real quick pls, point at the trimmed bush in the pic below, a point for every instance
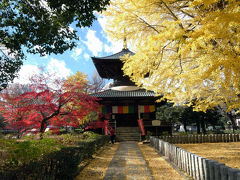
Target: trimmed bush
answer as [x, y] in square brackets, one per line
[47, 158]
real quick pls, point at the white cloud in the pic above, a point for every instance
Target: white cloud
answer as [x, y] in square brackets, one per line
[115, 46]
[25, 73]
[76, 53]
[58, 68]
[71, 28]
[86, 56]
[107, 48]
[102, 21]
[93, 43]
[55, 67]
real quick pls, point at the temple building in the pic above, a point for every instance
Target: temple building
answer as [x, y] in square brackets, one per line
[123, 104]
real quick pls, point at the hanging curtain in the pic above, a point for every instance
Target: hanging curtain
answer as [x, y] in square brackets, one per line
[127, 109]
[146, 108]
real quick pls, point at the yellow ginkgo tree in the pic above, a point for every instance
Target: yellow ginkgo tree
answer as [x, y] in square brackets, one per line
[186, 50]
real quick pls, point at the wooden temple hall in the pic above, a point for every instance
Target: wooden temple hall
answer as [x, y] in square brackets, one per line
[123, 104]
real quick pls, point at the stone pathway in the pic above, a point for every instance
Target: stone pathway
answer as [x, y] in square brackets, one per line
[128, 164]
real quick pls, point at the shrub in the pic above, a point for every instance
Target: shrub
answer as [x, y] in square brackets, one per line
[54, 158]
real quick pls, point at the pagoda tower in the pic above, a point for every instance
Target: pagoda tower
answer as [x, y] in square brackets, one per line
[110, 67]
[124, 103]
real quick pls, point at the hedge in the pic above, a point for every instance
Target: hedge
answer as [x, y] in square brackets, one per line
[60, 163]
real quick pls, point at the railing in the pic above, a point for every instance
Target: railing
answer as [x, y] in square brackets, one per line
[209, 138]
[195, 166]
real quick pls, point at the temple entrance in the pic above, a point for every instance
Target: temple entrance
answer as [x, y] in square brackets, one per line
[127, 120]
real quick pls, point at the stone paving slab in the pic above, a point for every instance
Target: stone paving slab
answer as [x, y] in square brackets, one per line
[128, 164]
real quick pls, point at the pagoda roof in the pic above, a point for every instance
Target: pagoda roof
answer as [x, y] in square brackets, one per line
[117, 55]
[110, 67]
[115, 94]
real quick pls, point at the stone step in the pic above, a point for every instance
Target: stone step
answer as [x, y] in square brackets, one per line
[127, 138]
[127, 129]
[128, 134]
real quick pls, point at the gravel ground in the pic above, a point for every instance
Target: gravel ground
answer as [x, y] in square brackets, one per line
[227, 153]
[97, 167]
[160, 169]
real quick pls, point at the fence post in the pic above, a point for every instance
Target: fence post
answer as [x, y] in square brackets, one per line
[182, 160]
[219, 138]
[204, 138]
[197, 175]
[188, 139]
[224, 172]
[232, 173]
[238, 137]
[195, 139]
[163, 148]
[166, 149]
[193, 173]
[185, 161]
[230, 138]
[157, 144]
[200, 138]
[235, 137]
[211, 166]
[151, 139]
[175, 153]
[217, 170]
[185, 139]
[216, 138]
[222, 137]
[188, 163]
[206, 168]
[201, 168]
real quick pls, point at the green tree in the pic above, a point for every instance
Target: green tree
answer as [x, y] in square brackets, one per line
[40, 26]
[8, 67]
[186, 116]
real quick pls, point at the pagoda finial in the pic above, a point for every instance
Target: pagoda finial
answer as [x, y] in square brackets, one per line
[125, 43]
[124, 40]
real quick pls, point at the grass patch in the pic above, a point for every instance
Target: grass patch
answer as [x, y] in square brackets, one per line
[56, 157]
[227, 153]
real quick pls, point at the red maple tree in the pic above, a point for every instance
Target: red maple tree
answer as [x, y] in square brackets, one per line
[47, 102]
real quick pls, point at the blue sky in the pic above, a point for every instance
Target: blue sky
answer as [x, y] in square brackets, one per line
[93, 42]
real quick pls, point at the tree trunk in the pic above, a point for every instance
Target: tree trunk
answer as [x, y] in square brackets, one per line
[185, 127]
[203, 127]
[198, 126]
[42, 128]
[232, 119]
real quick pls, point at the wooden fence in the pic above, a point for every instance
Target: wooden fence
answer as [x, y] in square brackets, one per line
[209, 138]
[195, 166]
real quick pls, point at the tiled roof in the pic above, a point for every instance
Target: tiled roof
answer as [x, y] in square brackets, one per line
[114, 93]
[117, 55]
